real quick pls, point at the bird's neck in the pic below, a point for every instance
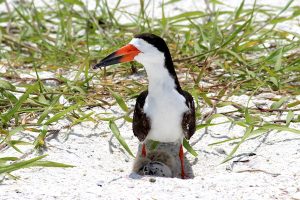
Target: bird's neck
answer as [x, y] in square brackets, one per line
[162, 77]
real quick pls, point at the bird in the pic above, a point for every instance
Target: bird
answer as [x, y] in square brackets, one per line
[164, 112]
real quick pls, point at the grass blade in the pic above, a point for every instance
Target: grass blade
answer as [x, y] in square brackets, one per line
[59, 115]
[19, 165]
[279, 103]
[289, 117]
[48, 110]
[31, 163]
[115, 130]
[239, 10]
[18, 105]
[49, 164]
[279, 128]
[6, 85]
[119, 100]
[246, 135]
[189, 148]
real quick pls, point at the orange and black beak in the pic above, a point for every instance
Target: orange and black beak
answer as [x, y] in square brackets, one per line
[124, 54]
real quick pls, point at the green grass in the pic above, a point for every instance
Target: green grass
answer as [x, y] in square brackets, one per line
[235, 51]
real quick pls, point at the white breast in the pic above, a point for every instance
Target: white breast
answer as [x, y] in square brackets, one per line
[165, 112]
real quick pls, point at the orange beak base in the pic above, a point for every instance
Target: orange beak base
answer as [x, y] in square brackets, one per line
[124, 54]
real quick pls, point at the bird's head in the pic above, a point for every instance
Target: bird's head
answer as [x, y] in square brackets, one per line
[144, 48]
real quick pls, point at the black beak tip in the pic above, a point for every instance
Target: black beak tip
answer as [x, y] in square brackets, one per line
[97, 66]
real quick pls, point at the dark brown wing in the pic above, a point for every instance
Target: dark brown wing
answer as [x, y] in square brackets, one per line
[189, 118]
[141, 123]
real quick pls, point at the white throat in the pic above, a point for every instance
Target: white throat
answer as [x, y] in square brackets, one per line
[159, 78]
[154, 62]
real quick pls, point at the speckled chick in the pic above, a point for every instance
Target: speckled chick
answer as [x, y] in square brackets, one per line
[157, 163]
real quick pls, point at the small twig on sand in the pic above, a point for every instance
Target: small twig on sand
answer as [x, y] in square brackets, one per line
[276, 110]
[258, 170]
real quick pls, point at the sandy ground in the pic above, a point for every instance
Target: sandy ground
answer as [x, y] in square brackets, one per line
[265, 168]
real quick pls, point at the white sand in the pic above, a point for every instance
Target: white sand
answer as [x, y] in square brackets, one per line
[103, 169]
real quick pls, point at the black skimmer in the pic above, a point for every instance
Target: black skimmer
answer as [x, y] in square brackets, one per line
[164, 112]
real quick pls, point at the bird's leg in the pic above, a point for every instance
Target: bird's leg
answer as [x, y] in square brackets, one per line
[144, 150]
[181, 161]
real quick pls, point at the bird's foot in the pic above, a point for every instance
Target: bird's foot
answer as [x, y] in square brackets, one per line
[184, 176]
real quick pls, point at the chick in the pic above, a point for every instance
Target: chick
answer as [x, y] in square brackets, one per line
[156, 163]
